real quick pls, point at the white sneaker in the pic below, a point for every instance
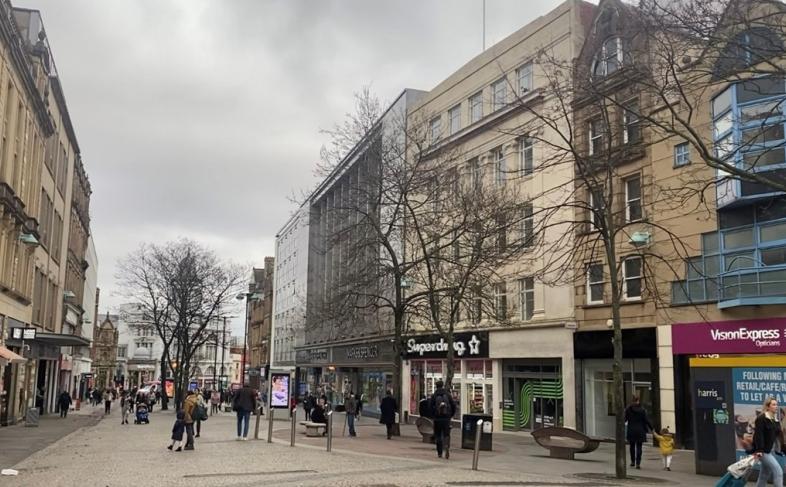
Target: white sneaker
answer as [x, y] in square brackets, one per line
[245, 439]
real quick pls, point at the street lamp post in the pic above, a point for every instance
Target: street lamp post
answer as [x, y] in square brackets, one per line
[223, 350]
[248, 297]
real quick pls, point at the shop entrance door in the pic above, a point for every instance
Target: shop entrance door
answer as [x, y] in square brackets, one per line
[532, 396]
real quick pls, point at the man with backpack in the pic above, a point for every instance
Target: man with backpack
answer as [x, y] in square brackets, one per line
[443, 407]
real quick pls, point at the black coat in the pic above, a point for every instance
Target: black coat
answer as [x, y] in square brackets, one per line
[245, 400]
[318, 414]
[765, 434]
[638, 424]
[387, 409]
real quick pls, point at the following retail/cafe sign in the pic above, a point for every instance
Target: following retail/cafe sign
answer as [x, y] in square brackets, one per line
[465, 345]
[739, 336]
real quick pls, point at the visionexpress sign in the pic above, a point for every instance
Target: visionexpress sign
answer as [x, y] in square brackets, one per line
[729, 337]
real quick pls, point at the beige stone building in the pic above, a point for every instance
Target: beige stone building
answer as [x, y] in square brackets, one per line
[518, 366]
[37, 164]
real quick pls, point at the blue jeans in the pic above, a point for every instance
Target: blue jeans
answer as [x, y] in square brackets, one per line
[770, 468]
[351, 423]
[243, 417]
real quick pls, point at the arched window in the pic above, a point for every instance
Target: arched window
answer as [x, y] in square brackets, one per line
[610, 57]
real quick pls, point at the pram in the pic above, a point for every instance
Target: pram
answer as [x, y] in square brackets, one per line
[141, 414]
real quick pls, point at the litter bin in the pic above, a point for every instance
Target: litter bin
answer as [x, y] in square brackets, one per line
[469, 424]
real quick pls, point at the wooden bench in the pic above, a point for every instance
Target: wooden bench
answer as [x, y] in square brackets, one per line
[314, 429]
[565, 442]
[426, 429]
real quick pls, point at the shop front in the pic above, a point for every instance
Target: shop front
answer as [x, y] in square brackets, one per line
[593, 354]
[473, 384]
[733, 366]
[365, 369]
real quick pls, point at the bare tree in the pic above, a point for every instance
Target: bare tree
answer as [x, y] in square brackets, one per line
[182, 286]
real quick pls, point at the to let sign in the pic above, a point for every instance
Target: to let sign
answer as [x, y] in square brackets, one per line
[729, 337]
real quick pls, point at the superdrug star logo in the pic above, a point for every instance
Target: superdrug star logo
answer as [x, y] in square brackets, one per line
[474, 346]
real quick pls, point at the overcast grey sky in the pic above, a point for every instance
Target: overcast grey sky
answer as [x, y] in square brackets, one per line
[198, 118]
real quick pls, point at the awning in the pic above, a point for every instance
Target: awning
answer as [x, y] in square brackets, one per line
[7, 356]
[61, 340]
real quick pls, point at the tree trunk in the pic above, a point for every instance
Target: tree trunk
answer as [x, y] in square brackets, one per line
[617, 377]
[162, 386]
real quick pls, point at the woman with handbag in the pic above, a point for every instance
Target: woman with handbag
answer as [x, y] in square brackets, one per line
[766, 431]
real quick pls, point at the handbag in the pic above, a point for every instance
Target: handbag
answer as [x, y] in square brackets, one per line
[743, 467]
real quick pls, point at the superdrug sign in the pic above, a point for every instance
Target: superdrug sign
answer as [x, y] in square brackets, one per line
[465, 345]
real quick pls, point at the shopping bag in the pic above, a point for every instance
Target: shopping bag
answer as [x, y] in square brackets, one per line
[729, 480]
[742, 468]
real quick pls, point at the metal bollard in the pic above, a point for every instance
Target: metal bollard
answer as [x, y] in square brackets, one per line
[330, 430]
[478, 429]
[294, 422]
[270, 425]
[256, 423]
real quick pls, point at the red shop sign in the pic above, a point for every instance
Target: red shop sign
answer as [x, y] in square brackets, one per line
[727, 337]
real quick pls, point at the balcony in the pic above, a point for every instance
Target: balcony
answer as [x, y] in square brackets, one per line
[752, 286]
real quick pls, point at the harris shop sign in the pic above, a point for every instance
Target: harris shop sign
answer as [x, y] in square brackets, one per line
[465, 345]
[729, 337]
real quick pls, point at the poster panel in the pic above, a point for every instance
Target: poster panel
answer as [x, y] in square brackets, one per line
[169, 388]
[751, 387]
[280, 391]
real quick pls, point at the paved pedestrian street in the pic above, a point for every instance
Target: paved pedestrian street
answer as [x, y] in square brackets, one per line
[110, 454]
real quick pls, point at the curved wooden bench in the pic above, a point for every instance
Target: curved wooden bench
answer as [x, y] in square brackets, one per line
[426, 429]
[564, 442]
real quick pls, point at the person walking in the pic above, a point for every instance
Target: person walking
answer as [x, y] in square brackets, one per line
[64, 402]
[107, 402]
[126, 407]
[215, 401]
[351, 406]
[243, 403]
[443, 407]
[202, 404]
[308, 405]
[766, 431]
[638, 426]
[387, 409]
[189, 410]
[177, 431]
[666, 446]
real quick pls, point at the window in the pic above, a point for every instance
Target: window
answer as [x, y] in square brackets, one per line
[526, 298]
[476, 107]
[595, 283]
[500, 301]
[633, 199]
[525, 156]
[527, 225]
[435, 129]
[596, 210]
[499, 94]
[121, 351]
[631, 278]
[630, 118]
[609, 58]
[477, 306]
[500, 166]
[454, 119]
[502, 234]
[524, 75]
[681, 155]
[596, 133]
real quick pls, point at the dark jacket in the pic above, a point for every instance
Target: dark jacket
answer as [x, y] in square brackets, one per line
[318, 414]
[351, 405]
[424, 408]
[387, 410]
[245, 400]
[451, 404]
[180, 426]
[638, 424]
[65, 400]
[765, 433]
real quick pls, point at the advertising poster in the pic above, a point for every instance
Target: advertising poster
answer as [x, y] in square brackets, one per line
[192, 386]
[280, 391]
[169, 388]
[751, 387]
